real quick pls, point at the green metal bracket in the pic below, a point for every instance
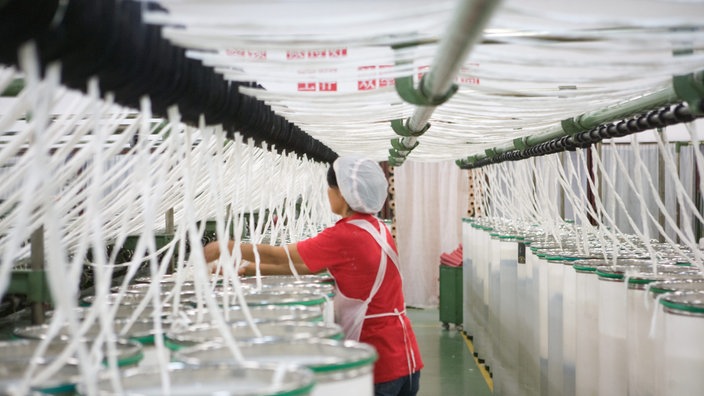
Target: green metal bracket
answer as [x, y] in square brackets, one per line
[520, 143]
[401, 128]
[398, 154]
[398, 145]
[31, 283]
[570, 126]
[690, 88]
[407, 92]
[467, 161]
[394, 161]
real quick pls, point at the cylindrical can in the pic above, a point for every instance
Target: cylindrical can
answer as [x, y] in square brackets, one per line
[341, 368]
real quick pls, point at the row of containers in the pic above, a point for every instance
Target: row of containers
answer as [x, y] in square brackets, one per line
[181, 348]
[546, 319]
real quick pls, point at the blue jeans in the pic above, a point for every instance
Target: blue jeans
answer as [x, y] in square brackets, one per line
[403, 386]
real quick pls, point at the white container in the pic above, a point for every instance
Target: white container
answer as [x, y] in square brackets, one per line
[555, 356]
[482, 342]
[242, 332]
[523, 330]
[613, 366]
[142, 331]
[529, 356]
[659, 290]
[469, 297]
[641, 347]
[543, 320]
[341, 368]
[15, 358]
[313, 300]
[587, 327]
[273, 280]
[494, 303]
[613, 313]
[683, 343]
[507, 349]
[569, 327]
[242, 379]
[263, 313]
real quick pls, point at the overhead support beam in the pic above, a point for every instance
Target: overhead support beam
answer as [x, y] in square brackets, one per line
[646, 112]
[437, 85]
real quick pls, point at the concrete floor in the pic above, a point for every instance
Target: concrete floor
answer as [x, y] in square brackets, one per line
[450, 369]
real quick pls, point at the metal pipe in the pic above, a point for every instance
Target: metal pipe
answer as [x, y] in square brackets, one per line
[595, 118]
[464, 31]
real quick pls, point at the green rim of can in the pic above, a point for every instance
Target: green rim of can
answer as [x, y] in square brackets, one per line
[583, 268]
[609, 275]
[682, 307]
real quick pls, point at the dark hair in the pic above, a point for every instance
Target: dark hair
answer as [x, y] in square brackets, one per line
[332, 179]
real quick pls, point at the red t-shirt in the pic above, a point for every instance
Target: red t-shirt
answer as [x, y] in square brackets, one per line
[352, 256]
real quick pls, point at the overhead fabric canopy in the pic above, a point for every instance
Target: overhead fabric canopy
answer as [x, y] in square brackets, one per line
[330, 68]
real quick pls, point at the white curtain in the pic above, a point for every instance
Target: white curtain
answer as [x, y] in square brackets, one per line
[650, 156]
[431, 199]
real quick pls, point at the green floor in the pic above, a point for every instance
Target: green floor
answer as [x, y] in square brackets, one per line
[450, 368]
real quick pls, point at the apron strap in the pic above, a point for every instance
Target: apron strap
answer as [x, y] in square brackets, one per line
[377, 234]
[381, 273]
[410, 355]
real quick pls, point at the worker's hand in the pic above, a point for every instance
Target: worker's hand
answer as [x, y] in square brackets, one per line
[242, 271]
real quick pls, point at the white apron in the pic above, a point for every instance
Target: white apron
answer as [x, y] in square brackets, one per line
[351, 312]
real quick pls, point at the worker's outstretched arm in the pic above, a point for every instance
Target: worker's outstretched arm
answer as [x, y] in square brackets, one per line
[273, 259]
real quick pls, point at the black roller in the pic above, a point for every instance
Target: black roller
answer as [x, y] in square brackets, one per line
[642, 123]
[108, 39]
[654, 120]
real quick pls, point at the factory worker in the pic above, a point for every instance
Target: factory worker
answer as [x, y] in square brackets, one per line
[360, 254]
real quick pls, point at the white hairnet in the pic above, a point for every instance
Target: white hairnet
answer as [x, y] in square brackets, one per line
[362, 183]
